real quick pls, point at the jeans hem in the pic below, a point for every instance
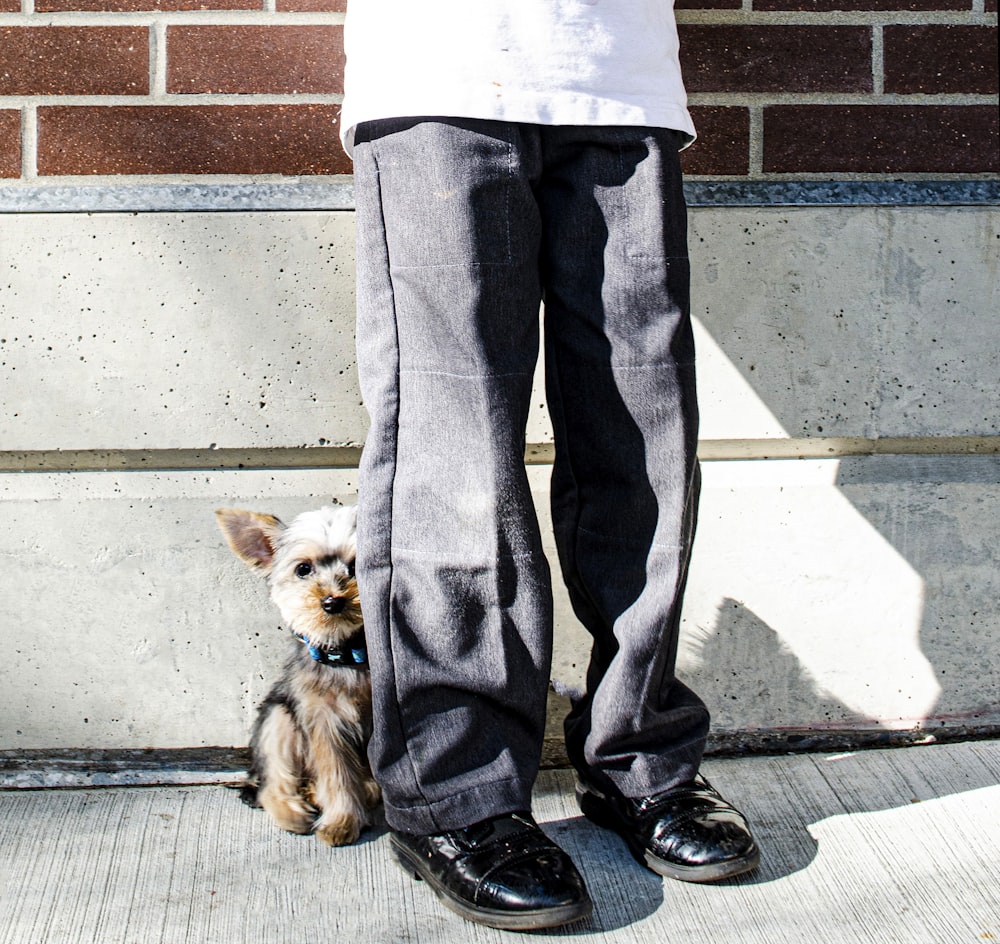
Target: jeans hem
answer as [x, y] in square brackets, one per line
[461, 809]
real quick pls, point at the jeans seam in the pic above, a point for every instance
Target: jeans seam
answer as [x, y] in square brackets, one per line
[442, 556]
[464, 376]
[451, 265]
[395, 472]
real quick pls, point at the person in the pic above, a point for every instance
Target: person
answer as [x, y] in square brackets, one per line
[508, 154]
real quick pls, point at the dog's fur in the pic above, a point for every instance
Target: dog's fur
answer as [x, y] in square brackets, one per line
[309, 769]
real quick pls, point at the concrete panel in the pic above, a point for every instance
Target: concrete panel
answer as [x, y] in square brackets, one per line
[158, 331]
[853, 594]
[839, 594]
[847, 321]
[178, 330]
[126, 619]
[856, 593]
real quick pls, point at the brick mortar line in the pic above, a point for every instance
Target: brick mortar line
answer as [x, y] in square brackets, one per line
[763, 99]
[180, 18]
[29, 143]
[157, 60]
[174, 99]
[836, 177]
[756, 143]
[684, 17]
[878, 60]
[836, 18]
[718, 99]
[99, 181]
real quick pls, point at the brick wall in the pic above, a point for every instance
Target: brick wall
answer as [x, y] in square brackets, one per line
[828, 88]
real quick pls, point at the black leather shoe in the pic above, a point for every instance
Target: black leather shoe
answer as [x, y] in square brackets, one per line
[504, 872]
[689, 832]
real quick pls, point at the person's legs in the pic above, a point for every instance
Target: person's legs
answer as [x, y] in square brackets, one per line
[621, 390]
[453, 578]
[454, 583]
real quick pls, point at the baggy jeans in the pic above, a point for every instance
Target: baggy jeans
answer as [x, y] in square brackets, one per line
[464, 227]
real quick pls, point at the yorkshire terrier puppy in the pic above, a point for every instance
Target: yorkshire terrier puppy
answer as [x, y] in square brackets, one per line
[309, 768]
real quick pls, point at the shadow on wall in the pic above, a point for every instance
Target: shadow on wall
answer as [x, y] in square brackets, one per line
[875, 609]
[940, 514]
[762, 668]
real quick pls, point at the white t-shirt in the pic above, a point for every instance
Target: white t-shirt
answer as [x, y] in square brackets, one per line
[553, 62]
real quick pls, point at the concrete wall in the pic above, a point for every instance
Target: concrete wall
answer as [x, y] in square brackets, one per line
[156, 366]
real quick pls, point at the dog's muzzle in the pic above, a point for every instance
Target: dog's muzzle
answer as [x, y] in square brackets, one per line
[333, 605]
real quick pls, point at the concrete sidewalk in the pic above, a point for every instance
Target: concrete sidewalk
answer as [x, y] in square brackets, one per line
[879, 846]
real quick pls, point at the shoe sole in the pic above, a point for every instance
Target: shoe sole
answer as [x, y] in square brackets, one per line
[601, 816]
[502, 920]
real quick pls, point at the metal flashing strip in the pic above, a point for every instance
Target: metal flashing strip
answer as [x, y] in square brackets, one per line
[180, 460]
[178, 198]
[338, 194]
[348, 456]
[227, 766]
[794, 193]
[84, 768]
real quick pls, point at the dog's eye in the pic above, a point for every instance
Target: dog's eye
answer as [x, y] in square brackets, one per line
[350, 568]
[303, 569]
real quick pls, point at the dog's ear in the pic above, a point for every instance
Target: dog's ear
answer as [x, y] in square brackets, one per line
[252, 536]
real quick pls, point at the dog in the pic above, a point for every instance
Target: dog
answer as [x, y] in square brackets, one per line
[308, 768]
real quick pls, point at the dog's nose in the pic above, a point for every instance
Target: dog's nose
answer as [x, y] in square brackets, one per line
[333, 605]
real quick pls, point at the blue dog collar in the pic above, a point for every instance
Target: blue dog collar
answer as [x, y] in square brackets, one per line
[353, 654]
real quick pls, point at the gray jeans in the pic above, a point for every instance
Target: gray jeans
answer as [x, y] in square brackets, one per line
[463, 227]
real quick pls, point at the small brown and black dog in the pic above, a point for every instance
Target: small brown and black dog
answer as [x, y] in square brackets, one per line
[309, 768]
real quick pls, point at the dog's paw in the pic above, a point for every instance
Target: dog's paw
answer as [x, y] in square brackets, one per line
[291, 813]
[295, 823]
[338, 830]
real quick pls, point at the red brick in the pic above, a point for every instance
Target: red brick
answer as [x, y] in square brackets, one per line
[10, 6]
[935, 59]
[723, 143]
[312, 6]
[194, 139]
[255, 59]
[10, 143]
[825, 6]
[991, 6]
[776, 58]
[71, 60]
[881, 139]
[139, 6]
